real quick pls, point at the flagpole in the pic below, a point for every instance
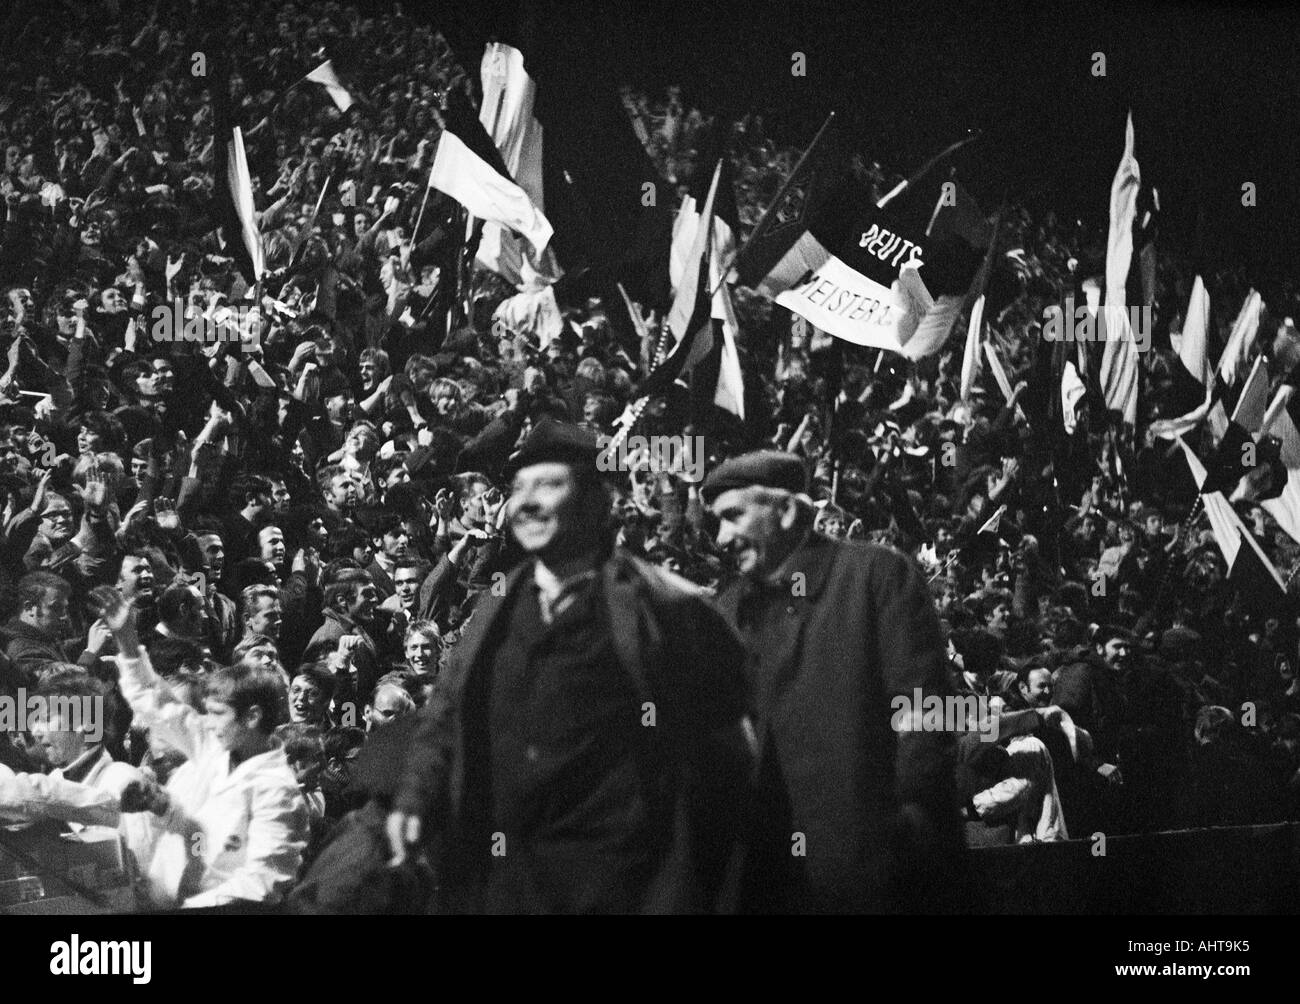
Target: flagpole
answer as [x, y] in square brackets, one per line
[771, 206]
[907, 183]
[311, 223]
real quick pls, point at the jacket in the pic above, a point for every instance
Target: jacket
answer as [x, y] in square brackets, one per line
[231, 834]
[680, 655]
[853, 816]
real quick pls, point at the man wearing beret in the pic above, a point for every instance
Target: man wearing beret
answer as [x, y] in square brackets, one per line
[586, 750]
[853, 816]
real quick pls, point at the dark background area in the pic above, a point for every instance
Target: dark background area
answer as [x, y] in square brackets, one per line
[1213, 91]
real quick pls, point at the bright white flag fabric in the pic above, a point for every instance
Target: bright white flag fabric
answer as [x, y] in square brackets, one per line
[241, 187]
[1119, 362]
[485, 193]
[327, 78]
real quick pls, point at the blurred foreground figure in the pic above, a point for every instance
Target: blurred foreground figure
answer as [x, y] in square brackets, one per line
[586, 750]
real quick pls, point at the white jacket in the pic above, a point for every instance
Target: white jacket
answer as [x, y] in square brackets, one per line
[229, 834]
[28, 797]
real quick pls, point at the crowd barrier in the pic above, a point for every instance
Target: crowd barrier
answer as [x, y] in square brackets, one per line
[1229, 870]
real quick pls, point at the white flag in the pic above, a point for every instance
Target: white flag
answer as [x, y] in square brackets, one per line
[241, 189]
[327, 78]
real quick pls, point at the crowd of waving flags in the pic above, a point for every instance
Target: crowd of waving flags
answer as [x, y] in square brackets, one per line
[896, 274]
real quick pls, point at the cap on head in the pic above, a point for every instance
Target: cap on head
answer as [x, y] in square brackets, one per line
[558, 442]
[768, 468]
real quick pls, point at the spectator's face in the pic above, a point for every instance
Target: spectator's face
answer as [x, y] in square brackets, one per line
[396, 544]
[406, 584]
[307, 703]
[51, 614]
[265, 618]
[280, 498]
[158, 381]
[1038, 692]
[361, 443]
[89, 442]
[388, 706]
[1154, 525]
[343, 492]
[61, 744]
[112, 301]
[360, 225]
[1117, 653]
[999, 617]
[213, 554]
[56, 522]
[270, 540]
[136, 579]
[364, 601]
[369, 373]
[138, 467]
[228, 728]
[545, 508]
[421, 651]
[13, 155]
[473, 503]
[339, 407]
[753, 529]
[20, 302]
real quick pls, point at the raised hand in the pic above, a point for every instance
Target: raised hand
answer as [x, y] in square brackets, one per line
[165, 515]
[114, 611]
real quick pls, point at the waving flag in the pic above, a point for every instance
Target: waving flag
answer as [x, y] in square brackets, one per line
[467, 167]
[327, 78]
[507, 115]
[690, 318]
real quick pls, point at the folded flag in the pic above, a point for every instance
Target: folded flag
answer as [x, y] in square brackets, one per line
[1193, 348]
[1118, 373]
[241, 188]
[1244, 330]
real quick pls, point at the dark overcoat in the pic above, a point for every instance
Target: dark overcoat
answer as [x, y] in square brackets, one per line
[853, 816]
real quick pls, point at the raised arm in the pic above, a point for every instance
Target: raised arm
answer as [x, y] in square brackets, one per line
[155, 705]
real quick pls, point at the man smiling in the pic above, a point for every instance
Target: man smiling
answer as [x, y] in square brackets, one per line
[834, 631]
[587, 701]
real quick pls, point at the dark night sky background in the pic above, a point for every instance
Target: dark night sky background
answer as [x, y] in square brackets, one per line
[1213, 90]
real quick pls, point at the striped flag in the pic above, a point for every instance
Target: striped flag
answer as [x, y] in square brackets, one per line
[690, 318]
[729, 392]
[1248, 567]
[486, 193]
[507, 115]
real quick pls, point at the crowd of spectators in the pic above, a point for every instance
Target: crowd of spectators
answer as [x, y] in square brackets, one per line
[324, 499]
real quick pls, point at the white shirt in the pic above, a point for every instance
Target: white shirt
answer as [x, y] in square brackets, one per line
[231, 833]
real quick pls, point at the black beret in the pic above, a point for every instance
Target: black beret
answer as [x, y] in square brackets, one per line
[770, 468]
[557, 442]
